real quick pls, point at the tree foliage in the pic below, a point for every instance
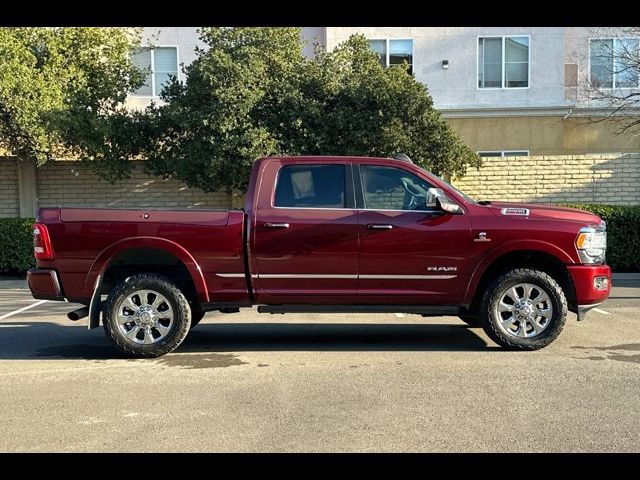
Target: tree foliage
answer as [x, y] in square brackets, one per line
[251, 93]
[61, 87]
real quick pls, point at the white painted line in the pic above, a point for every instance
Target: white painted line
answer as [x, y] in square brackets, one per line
[400, 315]
[20, 310]
[13, 325]
[601, 311]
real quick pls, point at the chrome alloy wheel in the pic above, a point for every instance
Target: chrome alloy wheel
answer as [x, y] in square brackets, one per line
[145, 317]
[524, 311]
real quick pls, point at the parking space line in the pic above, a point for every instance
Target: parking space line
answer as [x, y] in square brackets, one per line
[20, 310]
[601, 311]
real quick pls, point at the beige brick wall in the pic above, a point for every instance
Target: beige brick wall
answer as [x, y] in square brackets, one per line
[9, 195]
[72, 184]
[610, 179]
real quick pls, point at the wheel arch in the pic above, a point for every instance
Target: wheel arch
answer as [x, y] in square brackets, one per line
[541, 259]
[127, 252]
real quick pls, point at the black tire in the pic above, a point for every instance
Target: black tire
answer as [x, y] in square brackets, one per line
[175, 298]
[196, 316]
[489, 315]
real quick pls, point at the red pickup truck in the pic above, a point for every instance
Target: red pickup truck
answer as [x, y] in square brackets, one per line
[325, 234]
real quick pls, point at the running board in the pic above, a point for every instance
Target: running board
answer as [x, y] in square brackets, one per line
[424, 310]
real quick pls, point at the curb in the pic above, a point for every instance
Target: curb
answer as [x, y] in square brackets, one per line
[625, 276]
[13, 284]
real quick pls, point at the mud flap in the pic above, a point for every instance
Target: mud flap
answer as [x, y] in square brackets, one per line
[95, 307]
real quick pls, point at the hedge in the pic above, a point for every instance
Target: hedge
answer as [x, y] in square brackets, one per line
[16, 245]
[623, 234]
[623, 227]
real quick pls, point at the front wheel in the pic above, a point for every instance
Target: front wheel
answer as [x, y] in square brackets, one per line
[523, 309]
[146, 316]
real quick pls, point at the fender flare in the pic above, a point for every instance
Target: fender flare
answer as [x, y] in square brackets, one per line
[505, 249]
[104, 258]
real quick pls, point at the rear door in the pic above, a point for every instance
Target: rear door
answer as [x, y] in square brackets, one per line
[305, 236]
[410, 252]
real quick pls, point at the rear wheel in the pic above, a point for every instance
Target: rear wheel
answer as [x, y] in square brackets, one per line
[523, 309]
[146, 316]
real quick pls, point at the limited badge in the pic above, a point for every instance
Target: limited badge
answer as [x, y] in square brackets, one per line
[515, 211]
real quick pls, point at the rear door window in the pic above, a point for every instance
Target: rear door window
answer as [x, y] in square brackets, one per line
[311, 186]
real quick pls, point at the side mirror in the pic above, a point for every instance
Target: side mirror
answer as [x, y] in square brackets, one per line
[449, 207]
[438, 199]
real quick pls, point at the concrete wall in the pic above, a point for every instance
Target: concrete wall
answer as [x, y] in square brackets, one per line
[610, 179]
[72, 184]
[456, 87]
[9, 194]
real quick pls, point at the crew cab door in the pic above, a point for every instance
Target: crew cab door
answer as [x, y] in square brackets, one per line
[410, 252]
[305, 234]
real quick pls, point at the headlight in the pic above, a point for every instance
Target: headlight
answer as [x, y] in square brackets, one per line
[592, 243]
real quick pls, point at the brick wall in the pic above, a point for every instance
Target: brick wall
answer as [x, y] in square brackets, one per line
[610, 179]
[9, 195]
[72, 184]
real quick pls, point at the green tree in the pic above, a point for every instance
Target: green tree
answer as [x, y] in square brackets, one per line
[62, 89]
[348, 104]
[251, 93]
[212, 129]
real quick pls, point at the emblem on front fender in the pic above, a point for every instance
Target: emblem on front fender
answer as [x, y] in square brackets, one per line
[442, 269]
[482, 237]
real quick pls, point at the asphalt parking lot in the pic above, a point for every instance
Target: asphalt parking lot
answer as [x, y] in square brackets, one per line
[259, 383]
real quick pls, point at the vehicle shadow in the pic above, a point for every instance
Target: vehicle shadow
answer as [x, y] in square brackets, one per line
[34, 340]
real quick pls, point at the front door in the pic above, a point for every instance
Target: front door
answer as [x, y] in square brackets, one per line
[305, 236]
[411, 253]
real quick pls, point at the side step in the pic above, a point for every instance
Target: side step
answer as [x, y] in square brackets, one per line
[424, 310]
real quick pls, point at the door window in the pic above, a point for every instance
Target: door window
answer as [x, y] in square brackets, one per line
[390, 188]
[311, 186]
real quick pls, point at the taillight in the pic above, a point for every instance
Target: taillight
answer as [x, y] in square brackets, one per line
[42, 242]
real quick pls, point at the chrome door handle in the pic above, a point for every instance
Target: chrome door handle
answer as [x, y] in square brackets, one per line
[276, 225]
[379, 226]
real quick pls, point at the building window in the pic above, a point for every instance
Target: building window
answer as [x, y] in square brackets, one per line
[393, 52]
[503, 62]
[614, 62]
[159, 63]
[504, 153]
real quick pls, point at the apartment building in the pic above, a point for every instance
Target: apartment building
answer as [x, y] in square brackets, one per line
[506, 90]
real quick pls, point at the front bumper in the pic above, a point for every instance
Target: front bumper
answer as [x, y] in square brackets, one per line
[44, 284]
[587, 296]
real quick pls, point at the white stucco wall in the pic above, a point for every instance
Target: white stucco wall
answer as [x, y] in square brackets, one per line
[577, 52]
[456, 87]
[311, 35]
